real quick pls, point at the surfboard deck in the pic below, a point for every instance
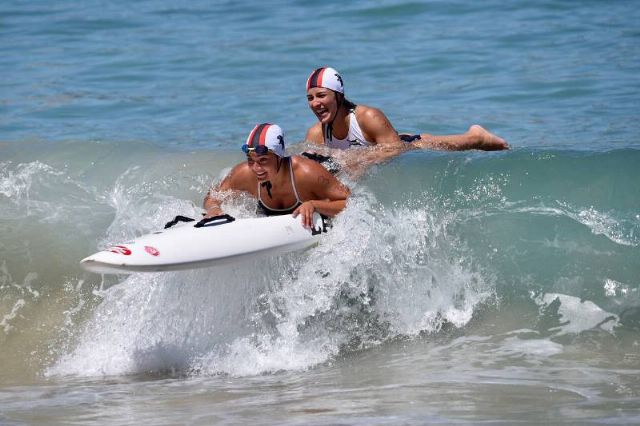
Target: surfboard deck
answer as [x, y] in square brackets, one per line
[221, 240]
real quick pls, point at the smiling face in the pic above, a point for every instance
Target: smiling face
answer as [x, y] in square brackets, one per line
[323, 103]
[265, 167]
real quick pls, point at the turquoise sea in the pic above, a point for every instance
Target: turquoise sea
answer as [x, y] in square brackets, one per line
[456, 287]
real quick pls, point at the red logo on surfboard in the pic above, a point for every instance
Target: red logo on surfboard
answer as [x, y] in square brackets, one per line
[120, 250]
[152, 250]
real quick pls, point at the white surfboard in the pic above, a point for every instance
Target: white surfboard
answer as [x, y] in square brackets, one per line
[209, 242]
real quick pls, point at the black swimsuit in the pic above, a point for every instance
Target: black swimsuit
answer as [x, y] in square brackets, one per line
[269, 211]
[327, 162]
[409, 138]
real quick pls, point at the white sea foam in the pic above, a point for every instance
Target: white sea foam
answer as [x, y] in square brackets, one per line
[159, 322]
[578, 315]
[379, 273]
[614, 288]
[390, 275]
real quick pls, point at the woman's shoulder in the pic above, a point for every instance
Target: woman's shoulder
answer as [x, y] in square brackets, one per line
[374, 124]
[300, 162]
[240, 169]
[311, 177]
[366, 112]
[241, 176]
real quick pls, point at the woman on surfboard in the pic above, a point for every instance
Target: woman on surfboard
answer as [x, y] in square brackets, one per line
[343, 124]
[282, 185]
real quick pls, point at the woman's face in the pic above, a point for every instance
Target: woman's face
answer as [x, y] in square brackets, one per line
[323, 103]
[265, 167]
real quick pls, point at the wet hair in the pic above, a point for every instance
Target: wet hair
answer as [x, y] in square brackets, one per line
[342, 100]
[348, 104]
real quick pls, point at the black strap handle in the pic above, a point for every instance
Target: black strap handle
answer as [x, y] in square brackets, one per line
[215, 221]
[326, 223]
[176, 220]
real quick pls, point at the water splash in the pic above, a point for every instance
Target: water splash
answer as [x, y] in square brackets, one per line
[15, 296]
[395, 273]
[380, 273]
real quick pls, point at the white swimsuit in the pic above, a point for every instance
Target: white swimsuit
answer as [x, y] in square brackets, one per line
[354, 136]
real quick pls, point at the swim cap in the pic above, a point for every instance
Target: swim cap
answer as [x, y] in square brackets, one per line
[326, 77]
[269, 135]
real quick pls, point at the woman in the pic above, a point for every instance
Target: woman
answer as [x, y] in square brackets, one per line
[282, 185]
[343, 124]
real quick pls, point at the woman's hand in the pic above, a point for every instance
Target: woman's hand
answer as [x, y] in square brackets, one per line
[305, 210]
[212, 212]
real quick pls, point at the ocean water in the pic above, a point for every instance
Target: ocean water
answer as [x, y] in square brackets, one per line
[456, 287]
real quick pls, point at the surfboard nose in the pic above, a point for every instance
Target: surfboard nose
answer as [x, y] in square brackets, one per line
[91, 265]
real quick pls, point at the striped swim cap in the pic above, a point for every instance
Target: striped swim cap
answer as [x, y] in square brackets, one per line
[266, 135]
[326, 77]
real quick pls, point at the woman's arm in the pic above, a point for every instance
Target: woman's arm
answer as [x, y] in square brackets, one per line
[376, 126]
[324, 193]
[378, 129]
[231, 183]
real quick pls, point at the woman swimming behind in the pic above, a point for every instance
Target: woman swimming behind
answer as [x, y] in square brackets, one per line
[343, 124]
